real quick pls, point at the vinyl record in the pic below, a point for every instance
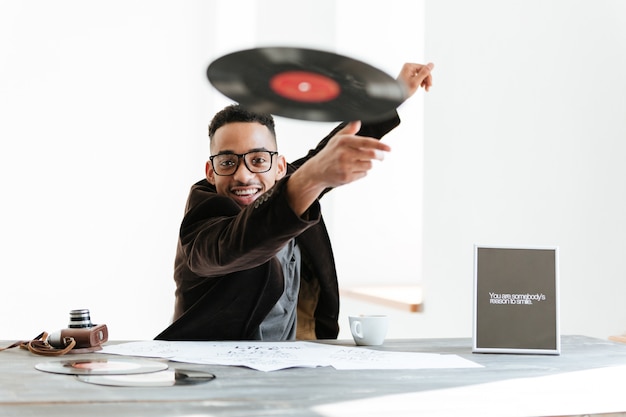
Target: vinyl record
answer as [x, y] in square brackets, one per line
[306, 84]
[167, 378]
[101, 366]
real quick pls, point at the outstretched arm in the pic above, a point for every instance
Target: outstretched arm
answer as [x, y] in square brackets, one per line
[347, 157]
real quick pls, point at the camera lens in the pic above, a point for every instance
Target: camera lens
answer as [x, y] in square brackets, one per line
[80, 319]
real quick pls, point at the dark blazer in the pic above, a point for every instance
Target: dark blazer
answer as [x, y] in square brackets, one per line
[226, 272]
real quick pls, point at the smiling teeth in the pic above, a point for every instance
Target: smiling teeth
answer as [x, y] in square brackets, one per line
[245, 192]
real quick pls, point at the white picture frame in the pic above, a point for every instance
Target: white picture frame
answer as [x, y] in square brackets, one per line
[516, 300]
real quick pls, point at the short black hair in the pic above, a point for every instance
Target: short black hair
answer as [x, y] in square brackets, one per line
[237, 113]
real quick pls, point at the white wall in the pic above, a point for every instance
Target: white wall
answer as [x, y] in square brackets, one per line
[104, 113]
[103, 129]
[524, 144]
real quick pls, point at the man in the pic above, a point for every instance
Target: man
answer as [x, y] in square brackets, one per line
[254, 260]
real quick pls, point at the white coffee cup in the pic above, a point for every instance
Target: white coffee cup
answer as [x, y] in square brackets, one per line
[369, 330]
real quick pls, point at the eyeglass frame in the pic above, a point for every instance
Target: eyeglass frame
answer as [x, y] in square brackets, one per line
[242, 157]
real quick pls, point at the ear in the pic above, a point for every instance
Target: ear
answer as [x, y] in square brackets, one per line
[281, 167]
[210, 174]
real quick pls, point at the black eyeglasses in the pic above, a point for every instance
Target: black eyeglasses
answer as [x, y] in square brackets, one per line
[226, 164]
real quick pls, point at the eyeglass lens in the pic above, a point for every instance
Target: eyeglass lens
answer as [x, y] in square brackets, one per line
[257, 162]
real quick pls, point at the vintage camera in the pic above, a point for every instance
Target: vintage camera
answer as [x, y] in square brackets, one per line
[80, 328]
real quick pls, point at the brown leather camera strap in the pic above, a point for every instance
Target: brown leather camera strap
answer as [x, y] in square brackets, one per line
[16, 344]
[40, 346]
[24, 343]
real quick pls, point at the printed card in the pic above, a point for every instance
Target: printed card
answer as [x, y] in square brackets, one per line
[516, 300]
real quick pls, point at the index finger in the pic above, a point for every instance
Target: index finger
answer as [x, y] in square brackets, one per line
[364, 142]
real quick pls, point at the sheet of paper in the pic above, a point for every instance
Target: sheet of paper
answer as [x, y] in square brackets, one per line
[271, 356]
[594, 391]
[363, 358]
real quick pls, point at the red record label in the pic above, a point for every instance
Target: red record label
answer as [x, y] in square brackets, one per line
[305, 86]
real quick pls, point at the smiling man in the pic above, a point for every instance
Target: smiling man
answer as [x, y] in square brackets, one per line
[254, 260]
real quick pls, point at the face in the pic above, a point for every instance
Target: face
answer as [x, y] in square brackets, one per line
[244, 186]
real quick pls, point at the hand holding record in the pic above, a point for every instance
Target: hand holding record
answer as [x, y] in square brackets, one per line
[415, 76]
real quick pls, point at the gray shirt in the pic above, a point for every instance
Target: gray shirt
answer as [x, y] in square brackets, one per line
[280, 323]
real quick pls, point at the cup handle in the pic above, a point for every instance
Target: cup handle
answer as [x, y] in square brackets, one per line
[356, 328]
